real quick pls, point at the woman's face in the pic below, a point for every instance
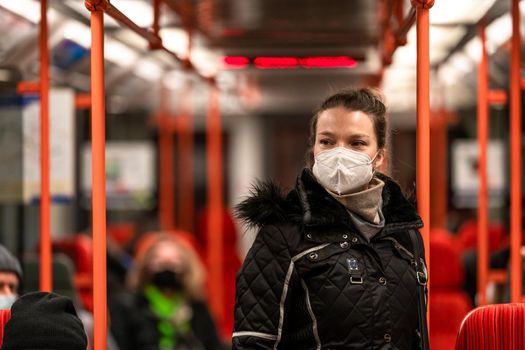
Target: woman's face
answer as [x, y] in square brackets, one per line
[339, 127]
[165, 256]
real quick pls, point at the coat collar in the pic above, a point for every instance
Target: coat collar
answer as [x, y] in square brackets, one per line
[310, 205]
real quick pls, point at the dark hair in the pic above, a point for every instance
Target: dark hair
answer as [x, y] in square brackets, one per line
[366, 100]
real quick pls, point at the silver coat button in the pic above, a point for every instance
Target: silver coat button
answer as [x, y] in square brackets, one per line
[309, 235]
[382, 281]
[354, 240]
[313, 256]
[387, 337]
[345, 236]
[344, 244]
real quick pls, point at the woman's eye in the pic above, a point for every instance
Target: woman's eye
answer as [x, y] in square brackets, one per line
[358, 143]
[324, 142]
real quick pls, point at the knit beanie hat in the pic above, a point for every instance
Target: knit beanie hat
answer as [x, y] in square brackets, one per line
[8, 262]
[42, 320]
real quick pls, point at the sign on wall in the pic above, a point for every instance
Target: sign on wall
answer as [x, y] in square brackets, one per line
[62, 145]
[465, 179]
[130, 174]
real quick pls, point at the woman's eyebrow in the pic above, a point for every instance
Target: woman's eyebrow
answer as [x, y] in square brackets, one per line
[326, 133]
[360, 136]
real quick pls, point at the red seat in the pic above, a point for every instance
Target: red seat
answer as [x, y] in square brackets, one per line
[448, 303]
[5, 315]
[467, 236]
[79, 248]
[494, 327]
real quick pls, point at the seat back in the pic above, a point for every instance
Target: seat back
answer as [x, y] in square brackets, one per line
[448, 302]
[494, 327]
[5, 315]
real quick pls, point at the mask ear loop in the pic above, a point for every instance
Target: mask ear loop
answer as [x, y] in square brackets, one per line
[374, 170]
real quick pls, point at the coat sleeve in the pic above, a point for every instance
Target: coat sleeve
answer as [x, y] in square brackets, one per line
[261, 291]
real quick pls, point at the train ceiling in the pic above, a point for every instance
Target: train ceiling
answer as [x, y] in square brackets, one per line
[271, 57]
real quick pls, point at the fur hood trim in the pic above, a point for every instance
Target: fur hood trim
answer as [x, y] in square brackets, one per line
[309, 204]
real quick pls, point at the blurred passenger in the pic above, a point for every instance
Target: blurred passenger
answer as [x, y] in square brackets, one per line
[10, 278]
[333, 265]
[169, 311]
[42, 320]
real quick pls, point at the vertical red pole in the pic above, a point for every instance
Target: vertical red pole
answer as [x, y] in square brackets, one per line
[99, 178]
[423, 118]
[515, 154]
[46, 277]
[185, 147]
[156, 17]
[439, 168]
[483, 115]
[166, 164]
[215, 239]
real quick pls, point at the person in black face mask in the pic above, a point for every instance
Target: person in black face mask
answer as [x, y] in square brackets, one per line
[169, 311]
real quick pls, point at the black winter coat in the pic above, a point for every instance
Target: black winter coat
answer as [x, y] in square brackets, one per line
[136, 327]
[311, 281]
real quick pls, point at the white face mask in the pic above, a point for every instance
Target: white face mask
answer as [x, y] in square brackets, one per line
[342, 170]
[6, 301]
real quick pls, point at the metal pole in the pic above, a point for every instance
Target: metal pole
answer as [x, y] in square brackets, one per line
[185, 147]
[483, 115]
[515, 157]
[423, 118]
[166, 165]
[46, 273]
[99, 179]
[215, 234]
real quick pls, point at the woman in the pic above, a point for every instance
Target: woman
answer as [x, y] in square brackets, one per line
[333, 265]
[169, 311]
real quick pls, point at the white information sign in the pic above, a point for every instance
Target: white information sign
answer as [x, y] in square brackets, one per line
[62, 145]
[465, 179]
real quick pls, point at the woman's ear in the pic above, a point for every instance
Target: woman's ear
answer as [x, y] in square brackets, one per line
[380, 157]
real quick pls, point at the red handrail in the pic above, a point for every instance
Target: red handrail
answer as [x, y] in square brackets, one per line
[215, 197]
[483, 220]
[46, 273]
[515, 157]
[99, 178]
[166, 166]
[423, 118]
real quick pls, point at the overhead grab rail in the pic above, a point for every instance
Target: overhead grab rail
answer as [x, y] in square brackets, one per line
[151, 36]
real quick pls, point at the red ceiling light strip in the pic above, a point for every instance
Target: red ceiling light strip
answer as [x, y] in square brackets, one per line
[328, 62]
[241, 62]
[236, 62]
[276, 62]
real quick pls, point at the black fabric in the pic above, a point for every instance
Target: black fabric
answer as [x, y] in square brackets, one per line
[417, 242]
[167, 279]
[311, 278]
[43, 320]
[135, 327]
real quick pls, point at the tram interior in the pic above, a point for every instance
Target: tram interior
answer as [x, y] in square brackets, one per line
[273, 62]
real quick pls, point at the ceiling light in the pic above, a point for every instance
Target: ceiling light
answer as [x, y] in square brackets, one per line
[119, 53]
[235, 62]
[28, 9]
[461, 62]
[175, 40]
[498, 32]
[328, 62]
[473, 49]
[148, 69]
[276, 62]
[205, 61]
[175, 80]
[140, 12]
[464, 11]
[77, 32]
